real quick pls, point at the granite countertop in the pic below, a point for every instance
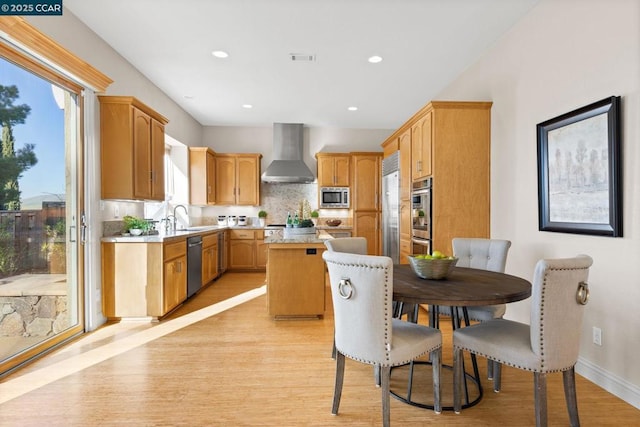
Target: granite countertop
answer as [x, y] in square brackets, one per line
[339, 227]
[175, 235]
[318, 237]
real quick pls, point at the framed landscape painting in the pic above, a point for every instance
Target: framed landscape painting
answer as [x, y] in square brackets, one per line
[579, 171]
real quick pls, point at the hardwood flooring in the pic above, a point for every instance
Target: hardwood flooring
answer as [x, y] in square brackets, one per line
[241, 368]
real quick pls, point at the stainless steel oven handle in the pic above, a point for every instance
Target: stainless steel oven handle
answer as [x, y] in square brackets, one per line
[418, 241]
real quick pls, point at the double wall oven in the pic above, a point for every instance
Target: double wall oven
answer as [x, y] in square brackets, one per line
[421, 216]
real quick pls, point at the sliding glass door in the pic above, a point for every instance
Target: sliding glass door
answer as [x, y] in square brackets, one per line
[41, 273]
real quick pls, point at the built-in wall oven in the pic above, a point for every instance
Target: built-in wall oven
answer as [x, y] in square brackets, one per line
[421, 230]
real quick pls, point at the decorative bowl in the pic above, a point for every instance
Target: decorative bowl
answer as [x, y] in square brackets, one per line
[434, 268]
[333, 222]
[135, 231]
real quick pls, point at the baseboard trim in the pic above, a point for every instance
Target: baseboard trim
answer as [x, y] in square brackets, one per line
[612, 383]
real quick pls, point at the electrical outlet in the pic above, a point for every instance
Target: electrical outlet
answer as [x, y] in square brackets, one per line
[597, 336]
[116, 211]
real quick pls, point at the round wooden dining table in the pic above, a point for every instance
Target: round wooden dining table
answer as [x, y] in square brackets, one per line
[463, 287]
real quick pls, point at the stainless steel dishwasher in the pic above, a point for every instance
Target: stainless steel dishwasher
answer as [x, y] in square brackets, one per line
[194, 265]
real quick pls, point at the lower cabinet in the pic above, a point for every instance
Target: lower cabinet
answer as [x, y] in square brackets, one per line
[366, 224]
[246, 250]
[143, 279]
[209, 257]
[296, 280]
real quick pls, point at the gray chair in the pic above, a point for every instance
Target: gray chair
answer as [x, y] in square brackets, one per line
[549, 344]
[365, 330]
[484, 254]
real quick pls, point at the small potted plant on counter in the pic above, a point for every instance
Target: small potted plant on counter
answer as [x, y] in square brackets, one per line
[136, 226]
[421, 217]
[262, 217]
[314, 217]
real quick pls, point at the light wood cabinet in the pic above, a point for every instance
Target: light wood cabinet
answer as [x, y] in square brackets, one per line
[132, 149]
[421, 147]
[202, 176]
[450, 142]
[151, 286]
[175, 276]
[406, 246]
[246, 250]
[295, 280]
[209, 258]
[333, 169]
[367, 180]
[404, 146]
[237, 179]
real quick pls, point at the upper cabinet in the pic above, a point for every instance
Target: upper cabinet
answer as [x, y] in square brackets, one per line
[132, 149]
[333, 169]
[237, 179]
[421, 147]
[367, 169]
[202, 176]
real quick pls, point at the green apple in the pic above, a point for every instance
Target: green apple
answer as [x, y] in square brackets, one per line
[438, 255]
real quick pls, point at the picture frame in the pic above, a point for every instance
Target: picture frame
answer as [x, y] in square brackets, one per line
[580, 171]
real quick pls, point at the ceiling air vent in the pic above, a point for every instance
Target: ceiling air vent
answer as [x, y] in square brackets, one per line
[302, 57]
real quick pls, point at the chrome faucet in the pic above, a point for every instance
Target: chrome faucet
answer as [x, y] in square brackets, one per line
[175, 217]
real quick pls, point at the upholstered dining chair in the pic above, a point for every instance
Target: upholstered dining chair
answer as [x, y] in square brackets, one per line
[549, 344]
[484, 254]
[365, 330]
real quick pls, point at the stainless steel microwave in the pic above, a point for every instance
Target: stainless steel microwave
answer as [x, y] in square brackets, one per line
[334, 197]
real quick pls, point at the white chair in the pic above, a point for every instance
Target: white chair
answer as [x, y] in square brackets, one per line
[550, 344]
[484, 254]
[365, 330]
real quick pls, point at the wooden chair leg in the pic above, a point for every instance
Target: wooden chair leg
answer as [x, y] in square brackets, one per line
[540, 393]
[436, 359]
[569, 380]
[457, 379]
[337, 392]
[333, 351]
[385, 373]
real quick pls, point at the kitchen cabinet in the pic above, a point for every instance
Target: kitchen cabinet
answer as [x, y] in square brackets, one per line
[237, 179]
[421, 147]
[367, 224]
[406, 180]
[132, 149]
[245, 246]
[202, 176]
[209, 258]
[451, 143]
[175, 276]
[296, 280]
[333, 169]
[261, 254]
[406, 245]
[143, 279]
[367, 171]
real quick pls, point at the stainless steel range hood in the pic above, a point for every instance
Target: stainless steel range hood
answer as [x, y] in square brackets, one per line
[287, 165]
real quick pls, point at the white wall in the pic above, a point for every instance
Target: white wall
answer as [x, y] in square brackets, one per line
[561, 56]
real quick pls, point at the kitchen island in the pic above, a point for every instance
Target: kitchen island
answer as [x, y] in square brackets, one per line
[296, 276]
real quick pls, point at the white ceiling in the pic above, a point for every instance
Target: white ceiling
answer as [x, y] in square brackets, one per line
[425, 44]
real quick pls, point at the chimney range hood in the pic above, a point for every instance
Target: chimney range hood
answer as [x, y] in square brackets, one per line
[287, 165]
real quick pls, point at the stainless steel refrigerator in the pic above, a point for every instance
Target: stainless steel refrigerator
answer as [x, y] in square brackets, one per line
[391, 207]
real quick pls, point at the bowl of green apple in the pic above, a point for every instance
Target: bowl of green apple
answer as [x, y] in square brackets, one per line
[434, 266]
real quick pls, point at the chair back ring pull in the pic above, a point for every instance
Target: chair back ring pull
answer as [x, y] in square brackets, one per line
[582, 295]
[345, 293]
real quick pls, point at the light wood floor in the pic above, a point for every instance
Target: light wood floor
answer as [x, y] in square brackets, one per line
[241, 368]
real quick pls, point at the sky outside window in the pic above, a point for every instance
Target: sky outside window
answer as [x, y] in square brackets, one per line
[43, 127]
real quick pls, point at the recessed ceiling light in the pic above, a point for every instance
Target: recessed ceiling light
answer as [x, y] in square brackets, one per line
[375, 59]
[188, 97]
[247, 106]
[220, 54]
[352, 108]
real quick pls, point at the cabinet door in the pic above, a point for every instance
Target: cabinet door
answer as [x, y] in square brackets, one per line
[261, 254]
[405, 231]
[366, 225]
[325, 171]
[421, 147]
[175, 283]
[141, 154]
[366, 188]
[405, 165]
[209, 263]
[247, 185]
[242, 254]
[342, 171]
[157, 160]
[211, 178]
[225, 180]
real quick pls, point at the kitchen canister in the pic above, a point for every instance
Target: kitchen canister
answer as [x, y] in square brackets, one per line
[222, 220]
[242, 220]
[232, 220]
